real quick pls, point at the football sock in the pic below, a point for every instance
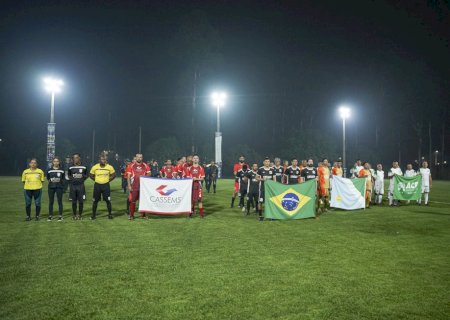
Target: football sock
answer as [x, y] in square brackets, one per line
[28, 210]
[109, 206]
[38, 211]
[201, 212]
[94, 208]
[74, 208]
[132, 208]
[426, 197]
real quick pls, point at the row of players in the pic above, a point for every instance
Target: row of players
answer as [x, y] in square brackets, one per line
[249, 181]
[102, 174]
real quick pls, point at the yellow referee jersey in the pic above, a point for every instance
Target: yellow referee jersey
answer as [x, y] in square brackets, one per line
[102, 174]
[32, 179]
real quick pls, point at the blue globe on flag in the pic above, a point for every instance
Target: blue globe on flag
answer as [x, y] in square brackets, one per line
[290, 201]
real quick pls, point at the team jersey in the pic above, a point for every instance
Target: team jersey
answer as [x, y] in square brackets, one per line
[213, 170]
[278, 173]
[123, 171]
[426, 174]
[366, 173]
[77, 174]
[292, 174]
[265, 174]
[309, 173]
[253, 183]
[355, 171]
[102, 174]
[135, 171]
[237, 166]
[195, 172]
[32, 179]
[337, 172]
[240, 175]
[55, 178]
[324, 177]
[168, 171]
[395, 171]
[410, 173]
[185, 170]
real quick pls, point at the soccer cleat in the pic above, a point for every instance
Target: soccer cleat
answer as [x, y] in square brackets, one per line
[37, 218]
[60, 218]
[74, 217]
[130, 218]
[110, 216]
[49, 218]
[27, 218]
[92, 218]
[261, 218]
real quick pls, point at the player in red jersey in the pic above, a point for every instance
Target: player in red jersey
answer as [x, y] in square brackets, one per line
[180, 167]
[197, 173]
[237, 166]
[185, 167]
[168, 171]
[134, 171]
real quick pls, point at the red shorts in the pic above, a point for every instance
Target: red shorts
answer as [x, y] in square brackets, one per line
[134, 196]
[196, 193]
[236, 187]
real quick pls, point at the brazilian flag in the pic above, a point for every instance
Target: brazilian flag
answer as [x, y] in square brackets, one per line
[286, 202]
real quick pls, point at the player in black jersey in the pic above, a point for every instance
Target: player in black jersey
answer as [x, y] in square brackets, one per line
[278, 170]
[77, 174]
[252, 187]
[293, 172]
[243, 183]
[264, 173]
[309, 173]
[55, 177]
[211, 176]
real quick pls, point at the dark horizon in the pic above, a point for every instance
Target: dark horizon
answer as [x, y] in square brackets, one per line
[285, 66]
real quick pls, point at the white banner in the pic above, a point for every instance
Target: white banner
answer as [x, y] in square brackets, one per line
[165, 196]
[346, 195]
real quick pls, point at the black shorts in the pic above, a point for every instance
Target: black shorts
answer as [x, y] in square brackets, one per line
[77, 192]
[102, 191]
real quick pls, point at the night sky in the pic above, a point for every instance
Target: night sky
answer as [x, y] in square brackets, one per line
[286, 66]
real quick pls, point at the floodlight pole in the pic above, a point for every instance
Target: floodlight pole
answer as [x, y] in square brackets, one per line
[218, 143]
[51, 133]
[343, 147]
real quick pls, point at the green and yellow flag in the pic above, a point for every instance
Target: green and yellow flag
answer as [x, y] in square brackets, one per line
[287, 202]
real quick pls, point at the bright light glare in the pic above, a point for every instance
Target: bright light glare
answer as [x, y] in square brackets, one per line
[344, 112]
[53, 85]
[218, 99]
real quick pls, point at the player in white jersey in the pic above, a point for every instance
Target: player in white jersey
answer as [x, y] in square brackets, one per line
[379, 184]
[426, 182]
[395, 170]
[410, 172]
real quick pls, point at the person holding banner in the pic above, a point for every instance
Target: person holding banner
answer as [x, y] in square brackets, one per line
[426, 182]
[134, 173]
[379, 184]
[395, 170]
[337, 169]
[323, 173]
[410, 172]
[278, 169]
[197, 173]
[367, 173]
[292, 173]
[168, 171]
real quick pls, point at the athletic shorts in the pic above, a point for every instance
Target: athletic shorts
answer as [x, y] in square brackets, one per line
[134, 196]
[425, 189]
[102, 191]
[77, 192]
[236, 187]
[197, 192]
[323, 192]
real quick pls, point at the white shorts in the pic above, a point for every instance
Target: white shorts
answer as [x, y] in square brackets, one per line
[425, 189]
[379, 188]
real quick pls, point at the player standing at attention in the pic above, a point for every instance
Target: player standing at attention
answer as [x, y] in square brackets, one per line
[292, 173]
[32, 179]
[367, 173]
[323, 173]
[55, 177]
[409, 172]
[77, 175]
[252, 187]
[134, 173]
[123, 174]
[395, 170]
[103, 173]
[309, 173]
[197, 173]
[278, 169]
[379, 184]
[168, 171]
[285, 166]
[264, 173]
[426, 182]
[236, 168]
[243, 183]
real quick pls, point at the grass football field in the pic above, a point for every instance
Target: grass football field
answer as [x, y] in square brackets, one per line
[381, 263]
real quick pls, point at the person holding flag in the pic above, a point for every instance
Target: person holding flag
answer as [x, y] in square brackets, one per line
[168, 171]
[395, 170]
[197, 173]
[278, 169]
[367, 173]
[337, 169]
[264, 173]
[426, 183]
[134, 173]
[323, 174]
[292, 173]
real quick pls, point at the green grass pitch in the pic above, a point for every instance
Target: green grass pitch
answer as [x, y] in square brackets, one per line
[381, 263]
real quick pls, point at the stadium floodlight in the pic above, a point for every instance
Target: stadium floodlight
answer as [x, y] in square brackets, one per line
[52, 86]
[218, 100]
[344, 113]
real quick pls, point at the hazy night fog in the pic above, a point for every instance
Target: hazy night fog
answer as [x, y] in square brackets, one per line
[286, 66]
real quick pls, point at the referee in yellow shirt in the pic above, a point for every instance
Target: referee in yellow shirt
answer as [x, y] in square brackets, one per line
[102, 173]
[32, 179]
